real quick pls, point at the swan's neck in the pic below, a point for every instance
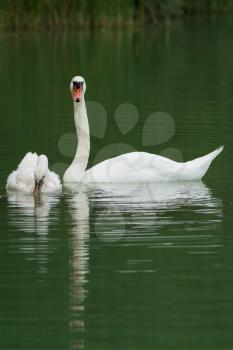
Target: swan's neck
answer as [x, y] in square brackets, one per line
[77, 168]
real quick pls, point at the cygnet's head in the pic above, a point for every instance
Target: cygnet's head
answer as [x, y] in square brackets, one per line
[77, 88]
[41, 169]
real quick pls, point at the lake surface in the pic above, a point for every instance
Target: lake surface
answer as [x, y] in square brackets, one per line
[137, 266]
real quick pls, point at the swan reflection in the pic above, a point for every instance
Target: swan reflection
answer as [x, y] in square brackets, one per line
[79, 260]
[148, 215]
[152, 194]
[32, 216]
[146, 191]
[133, 211]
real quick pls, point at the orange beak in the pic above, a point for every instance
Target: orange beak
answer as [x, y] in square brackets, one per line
[77, 93]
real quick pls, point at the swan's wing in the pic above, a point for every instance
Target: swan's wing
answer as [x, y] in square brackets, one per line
[133, 167]
[147, 167]
[11, 181]
[51, 183]
[29, 161]
[22, 180]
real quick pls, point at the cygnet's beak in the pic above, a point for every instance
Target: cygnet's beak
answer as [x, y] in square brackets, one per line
[37, 189]
[77, 91]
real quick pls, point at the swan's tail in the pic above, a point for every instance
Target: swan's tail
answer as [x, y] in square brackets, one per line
[197, 168]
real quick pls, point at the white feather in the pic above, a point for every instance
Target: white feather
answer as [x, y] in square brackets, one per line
[147, 167]
[23, 178]
[41, 167]
[51, 183]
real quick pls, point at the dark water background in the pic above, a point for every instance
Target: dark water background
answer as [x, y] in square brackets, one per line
[133, 267]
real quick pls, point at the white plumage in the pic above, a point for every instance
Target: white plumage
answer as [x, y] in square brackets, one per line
[147, 167]
[23, 178]
[51, 182]
[32, 169]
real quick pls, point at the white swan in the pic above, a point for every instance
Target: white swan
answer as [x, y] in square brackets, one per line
[128, 167]
[33, 176]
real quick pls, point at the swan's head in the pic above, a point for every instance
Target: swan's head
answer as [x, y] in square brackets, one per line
[41, 169]
[77, 88]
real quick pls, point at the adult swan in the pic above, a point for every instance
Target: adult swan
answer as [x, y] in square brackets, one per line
[128, 167]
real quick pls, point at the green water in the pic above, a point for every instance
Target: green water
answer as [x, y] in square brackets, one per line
[134, 266]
